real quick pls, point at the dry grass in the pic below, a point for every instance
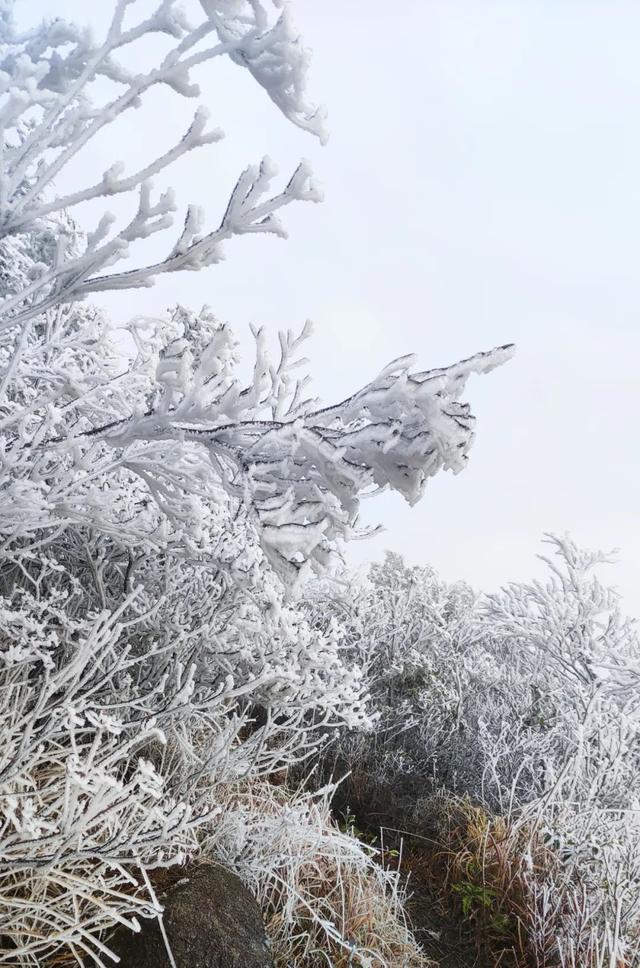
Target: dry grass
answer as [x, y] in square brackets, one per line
[510, 892]
[326, 898]
[377, 935]
[480, 871]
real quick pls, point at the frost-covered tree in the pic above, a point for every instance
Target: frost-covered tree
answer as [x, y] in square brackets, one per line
[157, 514]
[297, 468]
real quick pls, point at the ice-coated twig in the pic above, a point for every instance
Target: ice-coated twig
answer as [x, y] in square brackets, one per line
[51, 113]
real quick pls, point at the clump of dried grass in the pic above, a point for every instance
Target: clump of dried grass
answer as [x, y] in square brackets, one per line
[516, 897]
[480, 869]
[326, 898]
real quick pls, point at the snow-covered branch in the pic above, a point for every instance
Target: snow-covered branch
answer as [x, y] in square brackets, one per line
[183, 429]
[51, 111]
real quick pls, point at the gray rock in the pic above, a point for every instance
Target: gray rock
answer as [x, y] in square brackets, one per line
[211, 921]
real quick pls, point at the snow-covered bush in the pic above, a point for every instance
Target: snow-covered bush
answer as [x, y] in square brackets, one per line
[579, 656]
[527, 701]
[157, 514]
[80, 797]
[413, 635]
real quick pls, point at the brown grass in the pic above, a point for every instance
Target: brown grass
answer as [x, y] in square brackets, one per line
[490, 873]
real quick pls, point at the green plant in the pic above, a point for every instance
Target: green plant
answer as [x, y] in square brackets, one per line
[473, 896]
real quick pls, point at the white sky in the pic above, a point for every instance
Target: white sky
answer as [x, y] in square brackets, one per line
[482, 187]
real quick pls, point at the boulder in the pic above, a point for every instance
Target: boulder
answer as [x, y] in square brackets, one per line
[211, 921]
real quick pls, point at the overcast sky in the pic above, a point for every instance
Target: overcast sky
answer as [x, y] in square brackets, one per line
[482, 186]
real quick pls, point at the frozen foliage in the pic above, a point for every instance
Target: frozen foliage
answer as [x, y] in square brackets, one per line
[528, 701]
[158, 515]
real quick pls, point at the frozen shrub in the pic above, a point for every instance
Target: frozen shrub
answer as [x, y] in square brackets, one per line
[527, 702]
